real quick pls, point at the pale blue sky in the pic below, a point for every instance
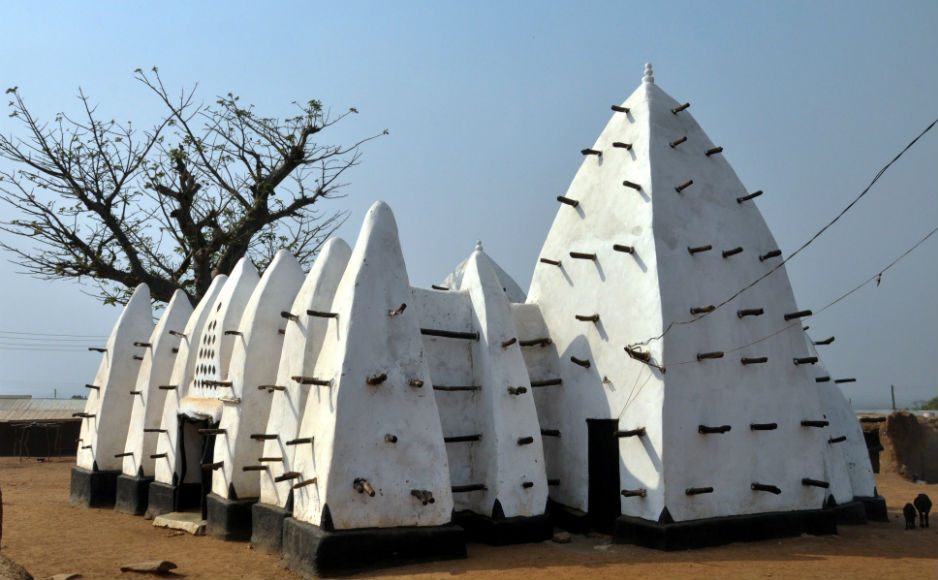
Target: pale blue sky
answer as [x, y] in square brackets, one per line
[488, 105]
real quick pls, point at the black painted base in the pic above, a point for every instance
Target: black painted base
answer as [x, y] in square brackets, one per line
[92, 488]
[267, 528]
[875, 508]
[228, 519]
[719, 531]
[164, 498]
[505, 531]
[133, 494]
[309, 550]
[568, 518]
[849, 514]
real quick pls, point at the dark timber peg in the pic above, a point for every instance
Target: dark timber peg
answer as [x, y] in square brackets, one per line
[619, 109]
[546, 383]
[765, 487]
[822, 379]
[509, 342]
[763, 426]
[213, 466]
[468, 488]
[732, 252]
[639, 432]
[377, 379]
[213, 383]
[695, 249]
[677, 141]
[255, 468]
[389, 438]
[263, 436]
[361, 485]
[772, 254]
[124, 454]
[587, 317]
[463, 438]
[525, 440]
[136, 392]
[621, 248]
[527, 484]
[94, 387]
[300, 441]
[754, 361]
[799, 314]
[138, 357]
[319, 314]
[211, 431]
[416, 383]
[621, 145]
[638, 355]
[271, 388]
[233, 333]
[89, 447]
[707, 430]
[705, 355]
[287, 476]
[549, 261]
[714, 151]
[824, 342]
[590, 152]
[680, 108]
[702, 309]
[449, 334]
[815, 482]
[517, 390]
[840, 381]
[684, 185]
[423, 495]
[97, 349]
[807, 423]
[750, 312]
[438, 287]
[167, 387]
[457, 388]
[312, 381]
[583, 363]
[153, 430]
[304, 483]
[289, 316]
[156, 455]
[536, 342]
[84, 415]
[840, 439]
[698, 490]
[583, 256]
[399, 310]
[634, 492]
[632, 184]
[752, 195]
[177, 333]
[805, 360]
[550, 432]
[270, 459]
[142, 344]
[568, 201]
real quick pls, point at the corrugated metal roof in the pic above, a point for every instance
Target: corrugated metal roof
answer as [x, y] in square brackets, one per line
[39, 409]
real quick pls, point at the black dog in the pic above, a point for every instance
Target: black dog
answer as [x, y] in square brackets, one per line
[909, 512]
[923, 505]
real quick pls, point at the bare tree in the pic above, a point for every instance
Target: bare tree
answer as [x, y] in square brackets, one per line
[173, 205]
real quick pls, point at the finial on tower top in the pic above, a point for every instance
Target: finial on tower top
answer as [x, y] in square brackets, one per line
[478, 245]
[649, 74]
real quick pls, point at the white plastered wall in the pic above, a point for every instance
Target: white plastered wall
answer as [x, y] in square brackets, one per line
[350, 419]
[107, 411]
[301, 345]
[256, 353]
[155, 370]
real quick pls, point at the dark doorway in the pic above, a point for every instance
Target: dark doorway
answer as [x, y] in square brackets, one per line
[603, 457]
[196, 450]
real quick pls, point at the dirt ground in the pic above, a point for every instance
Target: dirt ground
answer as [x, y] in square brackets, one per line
[47, 535]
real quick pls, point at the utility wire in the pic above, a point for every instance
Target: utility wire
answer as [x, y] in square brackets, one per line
[803, 246]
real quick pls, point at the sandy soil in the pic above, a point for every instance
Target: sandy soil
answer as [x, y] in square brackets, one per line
[47, 535]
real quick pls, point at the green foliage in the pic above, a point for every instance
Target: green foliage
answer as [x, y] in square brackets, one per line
[929, 405]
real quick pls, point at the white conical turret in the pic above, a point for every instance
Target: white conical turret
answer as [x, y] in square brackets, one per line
[655, 232]
[107, 412]
[375, 456]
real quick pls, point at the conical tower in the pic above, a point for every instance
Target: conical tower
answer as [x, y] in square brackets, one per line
[155, 370]
[697, 406]
[107, 411]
